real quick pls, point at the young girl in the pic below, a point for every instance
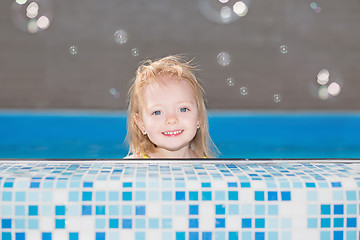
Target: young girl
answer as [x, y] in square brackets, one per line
[166, 115]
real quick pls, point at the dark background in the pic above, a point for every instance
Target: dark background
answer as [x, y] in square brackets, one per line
[37, 70]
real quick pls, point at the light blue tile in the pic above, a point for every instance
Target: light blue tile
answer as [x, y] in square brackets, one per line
[297, 185]
[154, 223]
[246, 235]
[325, 235]
[350, 235]
[259, 209]
[46, 210]
[166, 223]
[113, 196]
[19, 223]
[166, 210]
[180, 210]
[46, 197]
[338, 195]
[114, 210]
[166, 196]
[140, 184]
[312, 209]
[22, 184]
[48, 184]
[273, 236]
[284, 185]
[33, 196]
[6, 210]
[73, 210]
[139, 235]
[126, 210]
[33, 224]
[74, 196]
[286, 223]
[351, 209]
[311, 196]
[271, 184]
[153, 196]
[246, 209]
[100, 223]
[114, 235]
[6, 196]
[351, 195]
[167, 235]
[100, 196]
[61, 184]
[180, 184]
[154, 184]
[233, 209]
[220, 195]
[19, 210]
[140, 196]
[286, 235]
[220, 235]
[273, 210]
[272, 223]
[140, 223]
[74, 184]
[323, 185]
[312, 223]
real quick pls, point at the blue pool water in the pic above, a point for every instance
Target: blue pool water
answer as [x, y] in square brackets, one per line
[79, 134]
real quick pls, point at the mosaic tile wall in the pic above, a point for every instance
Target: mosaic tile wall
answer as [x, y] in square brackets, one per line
[110, 200]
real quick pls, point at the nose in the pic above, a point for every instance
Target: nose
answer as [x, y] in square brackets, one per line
[172, 119]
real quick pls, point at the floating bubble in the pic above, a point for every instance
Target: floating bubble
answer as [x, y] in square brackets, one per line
[277, 98]
[114, 92]
[323, 76]
[334, 89]
[223, 11]
[223, 59]
[283, 49]
[240, 8]
[135, 52]
[323, 92]
[243, 91]
[120, 36]
[313, 5]
[318, 10]
[32, 16]
[230, 81]
[73, 50]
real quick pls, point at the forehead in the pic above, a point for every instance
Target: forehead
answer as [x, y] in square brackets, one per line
[168, 88]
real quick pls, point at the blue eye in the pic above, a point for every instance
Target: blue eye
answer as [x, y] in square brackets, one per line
[184, 109]
[156, 113]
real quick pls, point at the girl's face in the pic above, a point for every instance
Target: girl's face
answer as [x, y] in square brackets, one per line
[169, 115]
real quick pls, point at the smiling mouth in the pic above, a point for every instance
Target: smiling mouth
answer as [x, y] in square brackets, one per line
[172, 133]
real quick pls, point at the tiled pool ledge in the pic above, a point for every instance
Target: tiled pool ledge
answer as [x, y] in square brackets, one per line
[222, 199]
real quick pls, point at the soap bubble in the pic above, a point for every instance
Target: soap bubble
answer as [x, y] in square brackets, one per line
[283, 49]
[135, 52]
[323, 92]
[120, 36]
[114, 92]
[223, 11]
[73, 50]
[243, 91]
[323, 76]
[277, 98]
[223, 59]
[230, 81]
[32, 16]
[334, 89]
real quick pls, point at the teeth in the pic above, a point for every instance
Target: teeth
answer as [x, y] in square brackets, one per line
[172, 133]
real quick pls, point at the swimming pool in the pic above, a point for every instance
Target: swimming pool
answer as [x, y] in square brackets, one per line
[237, 134]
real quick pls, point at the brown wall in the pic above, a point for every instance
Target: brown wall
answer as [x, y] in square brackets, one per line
[38, 71]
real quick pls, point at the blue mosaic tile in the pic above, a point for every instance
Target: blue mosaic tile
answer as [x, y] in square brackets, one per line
[172, 200]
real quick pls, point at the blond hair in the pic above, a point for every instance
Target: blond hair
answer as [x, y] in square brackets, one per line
[147, 73]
